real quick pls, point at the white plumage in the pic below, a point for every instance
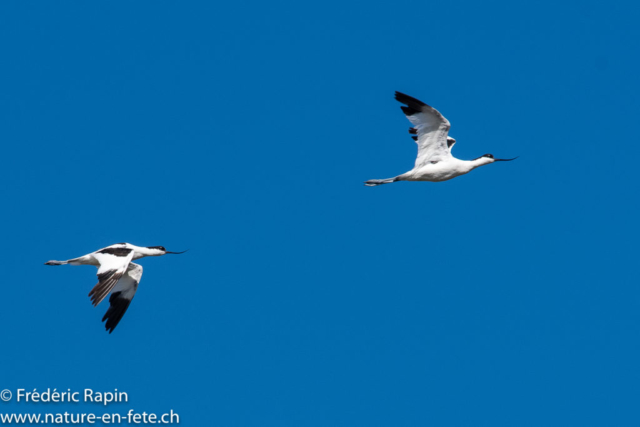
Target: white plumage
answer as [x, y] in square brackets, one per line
[434, 161]
[116, 275]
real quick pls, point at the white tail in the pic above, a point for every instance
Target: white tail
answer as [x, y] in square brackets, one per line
[56, 262]
[374, 182]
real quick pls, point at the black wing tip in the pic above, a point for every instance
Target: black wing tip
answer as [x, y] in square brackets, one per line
[415, 138]
[115, 312]
[413, 131]
[409, 100]
[409, 111]
[110, 326]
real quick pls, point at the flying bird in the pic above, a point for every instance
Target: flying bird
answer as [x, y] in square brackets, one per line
[434, 162]
[116, 274]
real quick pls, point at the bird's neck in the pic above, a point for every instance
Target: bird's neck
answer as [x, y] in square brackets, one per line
[142, 251]
[472, 164]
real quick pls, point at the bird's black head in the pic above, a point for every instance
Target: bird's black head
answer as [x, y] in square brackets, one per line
[162, 251]
[490, 156]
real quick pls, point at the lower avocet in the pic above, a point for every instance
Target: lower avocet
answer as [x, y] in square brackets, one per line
[116, 274]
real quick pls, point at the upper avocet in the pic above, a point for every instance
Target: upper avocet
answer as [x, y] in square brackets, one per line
[435, 162]
[116, 274]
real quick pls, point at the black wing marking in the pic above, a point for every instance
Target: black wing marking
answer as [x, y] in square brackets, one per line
[115, 312]
[106, 282]
[115, 251]
[114, 262]
[122, 295]
[413, 106]
[429, 126]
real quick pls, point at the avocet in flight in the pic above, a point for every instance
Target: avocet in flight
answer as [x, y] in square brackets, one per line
[116, 274]
[435, 162]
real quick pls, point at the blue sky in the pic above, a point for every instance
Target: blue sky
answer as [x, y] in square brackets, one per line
[244, 131]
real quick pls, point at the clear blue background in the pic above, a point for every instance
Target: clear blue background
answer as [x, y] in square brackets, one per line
[243, 132]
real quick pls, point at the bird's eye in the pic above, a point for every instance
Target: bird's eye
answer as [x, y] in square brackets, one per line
[434, 162]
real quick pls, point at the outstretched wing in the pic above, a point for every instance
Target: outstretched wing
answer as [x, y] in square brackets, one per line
[122, 295]
[113, 264]
[429, 127]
